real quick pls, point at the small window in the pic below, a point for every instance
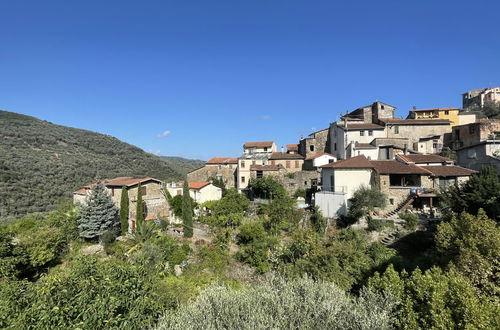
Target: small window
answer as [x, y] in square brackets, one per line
[265, 148]
[297, 165]
[243, 179]
[260, 174]
[472, 129]
[144, 191]
[361, 133]
[396, 129]
[242, 164]
[253, 162]
[330, 161]
[391, 201]
[370, 133]
[335, 146]
[382, 107]
[273, 162]
[311, 147]
[287, 164]
[446, 112]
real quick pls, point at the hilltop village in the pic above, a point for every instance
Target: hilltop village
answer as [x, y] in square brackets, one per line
[409, 159]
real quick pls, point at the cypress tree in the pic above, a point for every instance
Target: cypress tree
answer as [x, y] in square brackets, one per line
[98, 215]
[139, 212]
[124, 210]
[187, 211]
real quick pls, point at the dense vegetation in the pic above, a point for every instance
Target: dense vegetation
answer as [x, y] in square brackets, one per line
[263, 264]
[42, 162]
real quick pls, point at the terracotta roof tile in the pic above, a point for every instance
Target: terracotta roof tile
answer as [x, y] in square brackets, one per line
[355, 162]
[396, 167]
[433, 109]
[292, 146]
[283, 155]
[198, 184]
[448, 170]
[127, 181]
[222, 160]
[419, 159]
[258, 144]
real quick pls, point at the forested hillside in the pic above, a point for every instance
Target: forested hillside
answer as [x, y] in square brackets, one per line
[184, 165]
[41, 162]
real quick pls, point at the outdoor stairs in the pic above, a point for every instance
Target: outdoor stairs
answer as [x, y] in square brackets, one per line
[389, 239]
[401, 207]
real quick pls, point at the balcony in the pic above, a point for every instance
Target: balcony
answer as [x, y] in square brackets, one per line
[337, 190]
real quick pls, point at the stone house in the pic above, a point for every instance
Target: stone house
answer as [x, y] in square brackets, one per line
[292, 148]
[474, 133]
[316, 142]
[222, 168]
[403, 181]
[476, 156]
[155, 203]
[478, 97]
[290, 162]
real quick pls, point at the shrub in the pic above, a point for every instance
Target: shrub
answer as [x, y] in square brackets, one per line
[379, 224]
[266, 187]
[365, 200]
[279, 303]
[299, 193]
[411, 220]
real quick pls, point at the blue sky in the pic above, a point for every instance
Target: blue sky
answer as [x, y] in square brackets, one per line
[199, 78]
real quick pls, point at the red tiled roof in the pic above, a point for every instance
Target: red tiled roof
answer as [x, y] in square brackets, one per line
[396, 167]
[258, 144]
[292, 146]
[283, 155]
[81, 191]
[418, 159]
[265, 167]
[433, 109]
[448, 170]
[198, 184]
[222, 160]
[319, 155]
[399, 121]
[360, 126]
[355, 162]
[127, 181]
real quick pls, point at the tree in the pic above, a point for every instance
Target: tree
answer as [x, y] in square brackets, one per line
[267, 187]
[365, 200]
[480, 191]
[98, 214]
[318, 221]
[139, 210]
[472, 245]
[124, 210]
[187, 211]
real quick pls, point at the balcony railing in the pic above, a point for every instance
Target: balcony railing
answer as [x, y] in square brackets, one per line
[336, 190]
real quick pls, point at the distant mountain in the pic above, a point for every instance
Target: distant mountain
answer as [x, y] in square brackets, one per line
[41, 162]
[184, 165]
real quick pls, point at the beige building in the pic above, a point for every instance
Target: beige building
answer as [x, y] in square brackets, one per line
[290, 162]
[222, 168]
[450, 114]
[200, 191]
[155, 202]
[254, 153]
[474, 133]
[478, 97]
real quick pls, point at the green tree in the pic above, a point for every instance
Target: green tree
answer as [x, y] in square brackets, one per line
[318, 221]
[480, 191]
[365, 200]
[139, 209]
[187, 211]
[266, 187]
[472, 244]
[124, 203]
[98, 214]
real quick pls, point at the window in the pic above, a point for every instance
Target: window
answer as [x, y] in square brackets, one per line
[382, 107]
[297, 165]
[242, 179]
[112, 191]
[361, 133]
[311, 147]
[332, 183]
[253, 162]
[391, 201]
[260, 174]
[472, 129]
[330, 161]
[457, 134]
[144, 191]
[242, 164]
[396, 129]
[335, 146]
[435, 145]
[265, 148]
[179, 192]
[287, 164]
[370, 133]
[446, 112]
[273, 162]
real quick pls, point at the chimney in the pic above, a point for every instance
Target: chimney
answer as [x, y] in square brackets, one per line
[405, 150]
[282, 149]
[414, 107]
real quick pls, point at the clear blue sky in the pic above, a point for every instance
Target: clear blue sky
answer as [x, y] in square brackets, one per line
[218, 73]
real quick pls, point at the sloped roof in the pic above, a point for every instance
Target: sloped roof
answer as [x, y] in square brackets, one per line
[198, 184]
[284, 155]
[319, 155]
[433, 109]
[399, 121]
[292, 146]
[396, 167]
[266, 167]
[222, 160]
[355, 162]
[448, 170]
[418, 159]
[364, 146]
[128, 181]
[258, 144]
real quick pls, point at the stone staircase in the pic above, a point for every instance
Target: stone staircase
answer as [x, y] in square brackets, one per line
[390, 238]
[401, 207]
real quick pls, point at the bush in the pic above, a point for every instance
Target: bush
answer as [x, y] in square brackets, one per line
[378, 224]
[365, 200]
[279, 303]
[299, 193]
[411, 220]
[266, 187]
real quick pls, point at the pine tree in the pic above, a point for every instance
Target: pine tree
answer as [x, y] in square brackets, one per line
[124, 210]
[139, 212]
[187, 211]
[98, 215]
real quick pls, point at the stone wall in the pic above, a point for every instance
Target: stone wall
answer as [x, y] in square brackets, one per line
[415, 132]
[227, 171]
[155, 203]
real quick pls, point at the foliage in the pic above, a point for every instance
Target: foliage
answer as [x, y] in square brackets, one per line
[10, 256]
[146, 231]
[218, 182]
[472, 244]
[365, 200]
[346, 259]
[411, 220]
[98, 214]
[448, 153]
[282, 214]
[266, 187]
[437, 300]
[480, 191]
[490, 110]
[299, 193]
[124, 211]
[42, 162]
[187, 211]
[231, 203]
[139, 209]
[255, 246]
[375, 224]
[318, 221]
[91, 294]
[279, 303]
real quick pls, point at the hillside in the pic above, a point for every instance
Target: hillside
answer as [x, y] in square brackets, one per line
[41, 162]
[184, 165]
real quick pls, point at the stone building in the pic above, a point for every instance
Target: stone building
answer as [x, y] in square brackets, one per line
[476, 156]
[474, 133]
[292, 148]
[478, 97]
[317, 142]
[222, 168]
[155, 202]
[290, 162]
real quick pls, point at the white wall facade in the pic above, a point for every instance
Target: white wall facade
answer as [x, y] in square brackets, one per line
[323, 160]
[345, 180]
[207, 193]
